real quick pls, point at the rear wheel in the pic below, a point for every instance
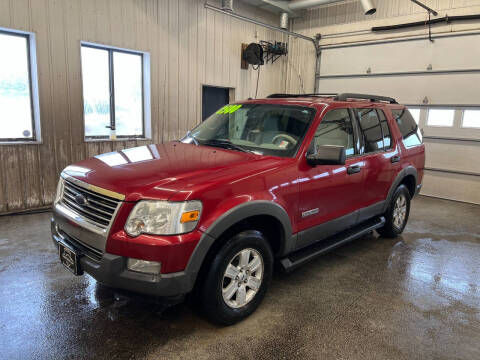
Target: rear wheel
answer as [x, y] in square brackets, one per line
[238, 277]
[397, 214]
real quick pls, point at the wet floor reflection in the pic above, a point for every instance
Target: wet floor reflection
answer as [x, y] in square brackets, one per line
[416, 296]
[438, 271]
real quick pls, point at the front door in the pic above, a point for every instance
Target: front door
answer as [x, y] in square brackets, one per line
[329, 194]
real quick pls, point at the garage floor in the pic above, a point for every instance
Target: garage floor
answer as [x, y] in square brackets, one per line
[415, 297]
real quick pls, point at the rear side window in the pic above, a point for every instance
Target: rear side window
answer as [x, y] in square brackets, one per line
[387, 139]
[335, 129]
[408, 127]
[371, 129]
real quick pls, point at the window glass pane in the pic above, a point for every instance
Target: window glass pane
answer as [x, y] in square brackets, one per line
[372, 132]
[408, 127]
[415, 112]
[266, 129]
[440, 117]
[128, 93]
[15, 104]
[386, 130]
[96, 91]
[471, 119]
[335, 129]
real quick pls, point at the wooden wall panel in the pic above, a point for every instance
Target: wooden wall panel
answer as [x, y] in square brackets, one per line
[189, 47]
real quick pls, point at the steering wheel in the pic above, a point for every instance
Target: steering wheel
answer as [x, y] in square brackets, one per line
[287, 137]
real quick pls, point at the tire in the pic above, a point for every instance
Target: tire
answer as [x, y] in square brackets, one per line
[227, 297]
[397, 214]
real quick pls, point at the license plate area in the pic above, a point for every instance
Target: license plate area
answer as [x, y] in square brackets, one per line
[70, 258]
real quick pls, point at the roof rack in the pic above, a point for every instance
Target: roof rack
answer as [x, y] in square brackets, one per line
[278, 96]
[372, 98]
[338, 97]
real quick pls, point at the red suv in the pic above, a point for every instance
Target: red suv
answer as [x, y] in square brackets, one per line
[285, 178]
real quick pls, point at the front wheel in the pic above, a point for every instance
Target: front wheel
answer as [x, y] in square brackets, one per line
[397, 214]
[238, 278]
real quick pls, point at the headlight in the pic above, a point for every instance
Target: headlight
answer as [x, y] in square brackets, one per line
[163, 217]
[59, 194]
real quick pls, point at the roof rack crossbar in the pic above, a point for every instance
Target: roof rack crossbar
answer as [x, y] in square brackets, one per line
[373, 98]
[274, 96]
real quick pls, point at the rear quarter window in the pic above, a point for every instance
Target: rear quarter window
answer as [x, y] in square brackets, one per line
[408, 127]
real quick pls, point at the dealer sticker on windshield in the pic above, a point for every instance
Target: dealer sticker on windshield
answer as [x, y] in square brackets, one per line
[228, 109]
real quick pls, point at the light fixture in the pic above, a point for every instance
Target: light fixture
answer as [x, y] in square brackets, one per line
[368, 7]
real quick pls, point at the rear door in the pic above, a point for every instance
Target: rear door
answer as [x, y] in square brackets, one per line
[380, 156]
[329, 194]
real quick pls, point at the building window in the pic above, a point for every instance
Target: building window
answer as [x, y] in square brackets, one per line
[440, 117]
[19, 107]
[471, 119]
[116, 93]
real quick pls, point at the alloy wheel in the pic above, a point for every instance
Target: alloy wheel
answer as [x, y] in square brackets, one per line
[242, 278]
[400, 211]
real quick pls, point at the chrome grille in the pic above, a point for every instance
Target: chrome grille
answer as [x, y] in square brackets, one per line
[99, 209]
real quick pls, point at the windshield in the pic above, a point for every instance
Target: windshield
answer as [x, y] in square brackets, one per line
[264, 129]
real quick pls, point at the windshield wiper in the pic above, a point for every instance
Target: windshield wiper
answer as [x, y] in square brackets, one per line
[226, 144]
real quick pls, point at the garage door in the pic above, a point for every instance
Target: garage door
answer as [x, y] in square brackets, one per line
[440, 82]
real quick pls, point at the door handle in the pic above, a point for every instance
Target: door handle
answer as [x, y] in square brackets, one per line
[353, 169]
[395, 159]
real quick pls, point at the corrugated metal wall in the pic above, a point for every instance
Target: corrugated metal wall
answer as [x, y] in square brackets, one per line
[189, 46]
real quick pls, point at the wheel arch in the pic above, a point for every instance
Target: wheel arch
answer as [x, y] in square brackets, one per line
[407, 176]
[266, 216]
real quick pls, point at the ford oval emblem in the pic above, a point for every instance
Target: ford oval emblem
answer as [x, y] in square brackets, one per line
[81, 200]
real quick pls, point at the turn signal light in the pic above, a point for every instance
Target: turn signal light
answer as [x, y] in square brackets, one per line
[189, 216]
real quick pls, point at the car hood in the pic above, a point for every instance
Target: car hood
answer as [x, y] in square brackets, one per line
[160, 171]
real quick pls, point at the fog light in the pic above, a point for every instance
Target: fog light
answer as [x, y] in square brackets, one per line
[144, 266]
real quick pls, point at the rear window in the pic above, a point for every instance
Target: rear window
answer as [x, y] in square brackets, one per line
[408, 127]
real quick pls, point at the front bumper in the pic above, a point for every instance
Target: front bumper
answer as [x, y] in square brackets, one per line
[111, 270]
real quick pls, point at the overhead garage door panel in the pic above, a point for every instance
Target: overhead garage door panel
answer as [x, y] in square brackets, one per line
[399, 69]
[443, 54]
[440, 89]
[451, 186]
[454, 156]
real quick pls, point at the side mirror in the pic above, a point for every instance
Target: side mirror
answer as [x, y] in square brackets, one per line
[327, 155]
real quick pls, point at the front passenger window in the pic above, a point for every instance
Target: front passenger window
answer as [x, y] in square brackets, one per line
[335, 129]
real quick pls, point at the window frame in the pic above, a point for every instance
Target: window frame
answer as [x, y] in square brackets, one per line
[440, 126]
[33, 87]
[146, 104]
[463, 119]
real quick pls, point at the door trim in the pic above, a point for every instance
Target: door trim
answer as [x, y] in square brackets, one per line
[320, 232]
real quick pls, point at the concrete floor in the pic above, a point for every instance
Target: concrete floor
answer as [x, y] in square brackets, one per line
[414, 297]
